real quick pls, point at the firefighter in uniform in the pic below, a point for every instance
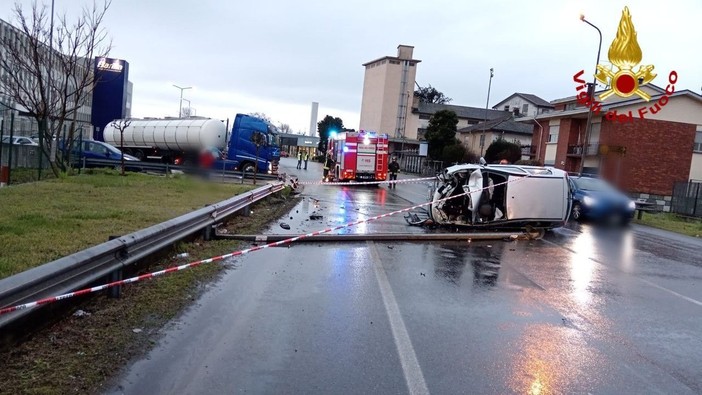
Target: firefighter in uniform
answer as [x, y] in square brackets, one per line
[328, 164]
[394, 168]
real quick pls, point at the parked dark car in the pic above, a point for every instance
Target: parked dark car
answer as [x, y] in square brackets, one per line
[597, 200]
[99, 150]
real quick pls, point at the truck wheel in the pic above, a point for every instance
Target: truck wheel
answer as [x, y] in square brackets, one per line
[139, 154]
[248, 167]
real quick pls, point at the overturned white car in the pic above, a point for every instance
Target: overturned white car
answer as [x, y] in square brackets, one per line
[498, 196]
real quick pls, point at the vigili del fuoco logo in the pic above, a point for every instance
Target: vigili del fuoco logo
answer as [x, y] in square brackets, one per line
[621, 79]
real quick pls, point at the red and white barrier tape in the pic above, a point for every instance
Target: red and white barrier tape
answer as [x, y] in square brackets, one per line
[85, 291]
[405, 181]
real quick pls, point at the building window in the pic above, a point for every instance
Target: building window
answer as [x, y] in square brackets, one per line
[570, 106]
[424, 116]
[506, 108]
[553, 133]
[421, 134]
[482, 140]
[698, 141]
[595, 133]
[525, 108]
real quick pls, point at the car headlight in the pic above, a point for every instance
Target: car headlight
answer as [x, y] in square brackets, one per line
[632, 205]
[589, 201]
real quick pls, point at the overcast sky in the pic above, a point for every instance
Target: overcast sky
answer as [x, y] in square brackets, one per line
[278, 56]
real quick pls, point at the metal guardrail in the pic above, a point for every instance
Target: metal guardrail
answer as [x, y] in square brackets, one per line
[85, 267]
[166, 168]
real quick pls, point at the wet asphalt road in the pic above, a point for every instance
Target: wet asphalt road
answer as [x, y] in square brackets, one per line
[585, 310]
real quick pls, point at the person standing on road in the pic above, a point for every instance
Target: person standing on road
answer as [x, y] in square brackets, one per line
[328, 164]
[307, 157]
[299, 159]
[394, 168]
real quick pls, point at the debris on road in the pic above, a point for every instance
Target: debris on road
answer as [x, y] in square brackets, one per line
[81, 313]
[137, 330]
[284, 225]
[316, 217]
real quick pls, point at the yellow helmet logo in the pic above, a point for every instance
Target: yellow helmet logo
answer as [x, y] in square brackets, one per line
[625, 54]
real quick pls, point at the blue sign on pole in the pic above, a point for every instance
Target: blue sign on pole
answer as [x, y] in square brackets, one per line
[110, 94]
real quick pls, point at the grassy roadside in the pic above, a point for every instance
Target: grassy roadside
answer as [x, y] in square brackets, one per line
[43, 221]
[21, 176]
[83, 352]
[673, 223]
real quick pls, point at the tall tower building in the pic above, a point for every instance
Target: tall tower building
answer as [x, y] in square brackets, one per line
[388, 87]
[313, 119]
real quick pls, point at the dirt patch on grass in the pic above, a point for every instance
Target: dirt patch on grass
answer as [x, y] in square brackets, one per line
[84, 351]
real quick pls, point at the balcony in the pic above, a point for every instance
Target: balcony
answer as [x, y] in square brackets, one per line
[528, 150]
[577, 150]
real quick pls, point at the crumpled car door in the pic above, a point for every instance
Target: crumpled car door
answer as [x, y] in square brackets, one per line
[474, 188]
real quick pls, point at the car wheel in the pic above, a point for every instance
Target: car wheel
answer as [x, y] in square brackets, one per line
[139, 154]
[577, 212]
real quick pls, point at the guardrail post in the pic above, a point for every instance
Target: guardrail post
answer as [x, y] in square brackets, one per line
[114, 292]
[208, 232]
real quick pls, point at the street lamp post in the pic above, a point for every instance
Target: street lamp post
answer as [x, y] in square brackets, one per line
[482, 136]
[591, 94]
[180, 108]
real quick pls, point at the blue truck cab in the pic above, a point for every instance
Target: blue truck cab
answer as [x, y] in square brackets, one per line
[241, 149]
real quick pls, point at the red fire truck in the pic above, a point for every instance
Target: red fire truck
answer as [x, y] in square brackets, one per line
[359, 156]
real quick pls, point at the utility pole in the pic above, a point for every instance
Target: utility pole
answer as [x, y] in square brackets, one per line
[482, 136]
[591, 98]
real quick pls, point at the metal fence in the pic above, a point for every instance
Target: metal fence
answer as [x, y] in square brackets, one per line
[20, 163]
[687, 199]
[413, 163]
[20, 156]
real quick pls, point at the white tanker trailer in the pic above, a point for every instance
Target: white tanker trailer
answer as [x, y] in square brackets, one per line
[168, 140]
[180, 141]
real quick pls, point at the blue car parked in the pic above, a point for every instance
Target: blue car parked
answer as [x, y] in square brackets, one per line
[99, 150]
[597, 200]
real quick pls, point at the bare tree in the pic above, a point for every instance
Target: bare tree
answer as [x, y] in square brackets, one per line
[121, 124]
[48, 70]
[187, 112]
[285, 128]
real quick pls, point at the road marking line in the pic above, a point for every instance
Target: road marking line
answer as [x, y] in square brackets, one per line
[662, 288]
[697, 302]
[416, 193]
[410, 365]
